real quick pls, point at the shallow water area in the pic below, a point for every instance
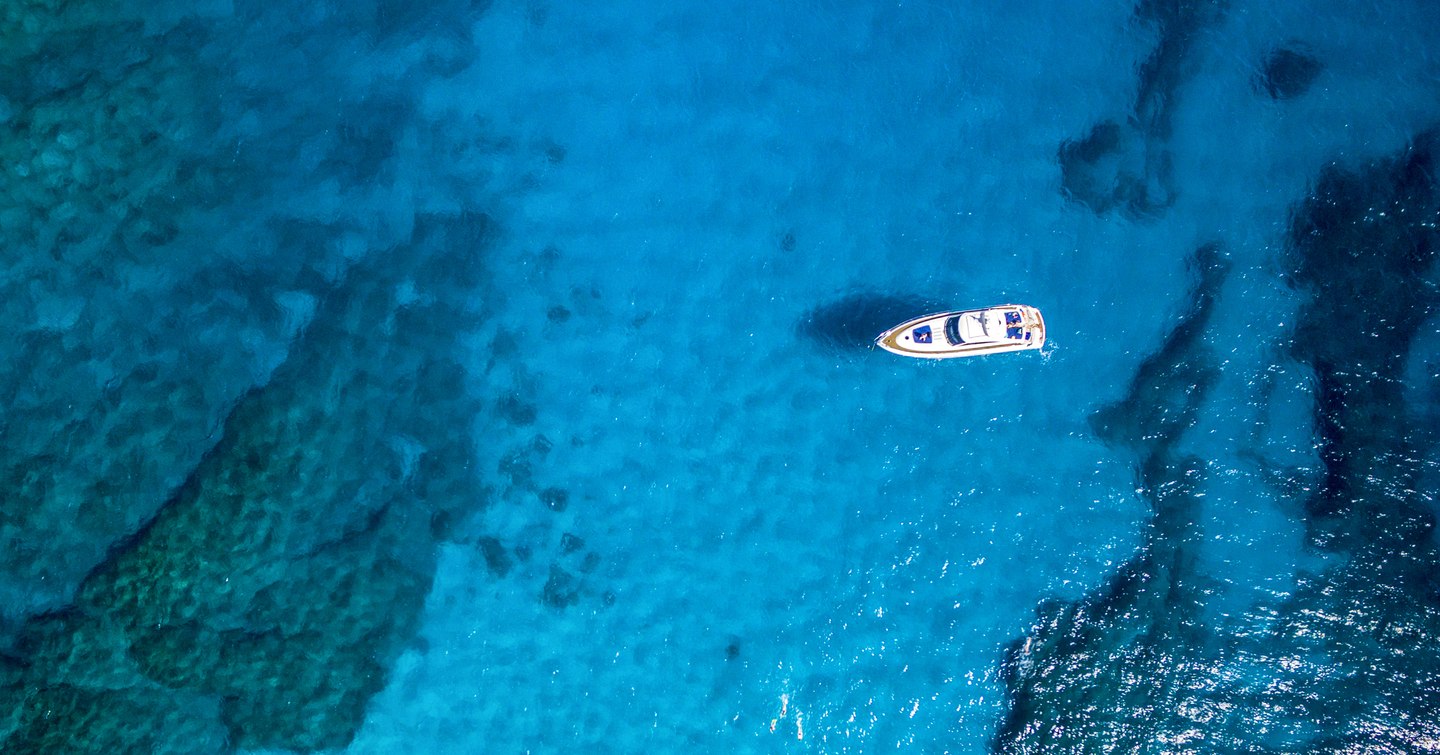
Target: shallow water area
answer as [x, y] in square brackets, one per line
[834, 518]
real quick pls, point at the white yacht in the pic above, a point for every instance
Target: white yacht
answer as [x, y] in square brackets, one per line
[967, 333]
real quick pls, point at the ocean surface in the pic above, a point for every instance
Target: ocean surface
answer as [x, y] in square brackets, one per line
[471, 376]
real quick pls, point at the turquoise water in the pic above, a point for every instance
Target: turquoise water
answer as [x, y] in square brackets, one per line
[492, 377]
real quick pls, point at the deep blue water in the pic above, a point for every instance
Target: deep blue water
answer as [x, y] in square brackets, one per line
[493, 377]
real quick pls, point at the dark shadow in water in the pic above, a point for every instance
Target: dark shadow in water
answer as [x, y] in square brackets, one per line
[1077, 682]
[1364, 246]
[852, 322]
[1288, 72]
[365, 140]
[1124, 162]
[1347, 662]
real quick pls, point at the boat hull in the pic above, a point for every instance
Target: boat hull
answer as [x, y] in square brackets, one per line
[967, 333]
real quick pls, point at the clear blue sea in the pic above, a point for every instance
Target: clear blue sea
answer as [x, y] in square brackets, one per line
[483, 376]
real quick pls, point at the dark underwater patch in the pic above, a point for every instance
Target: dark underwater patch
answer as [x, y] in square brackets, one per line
[1364, 247]
[1170, 385]
[1288, 72]
[496, 559]
[365, 140]
[1095, 673]
[1347, 661]
[1124, 162]
[516, 409]
[271, 595]
[562, 589]
[852, 322]
[398, 19]
[1090, 167]
[123, 358]
[555, 499]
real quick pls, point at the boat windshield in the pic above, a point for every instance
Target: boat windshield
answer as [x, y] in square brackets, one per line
[952, 331]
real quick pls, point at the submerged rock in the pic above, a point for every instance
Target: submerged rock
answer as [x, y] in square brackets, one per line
[555, 499]
[562, 589]
[1365, 248]
[272, 593]
[1170, 385]
[1091, 169]
[496, 558]
[1288, 73]
[1124, 163]
[1097, 672]
[1362, 632]
[1346, 660]
[114, 381]
[171, 223]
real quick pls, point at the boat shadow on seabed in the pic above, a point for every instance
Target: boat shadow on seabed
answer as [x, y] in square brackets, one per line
[850, 323]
